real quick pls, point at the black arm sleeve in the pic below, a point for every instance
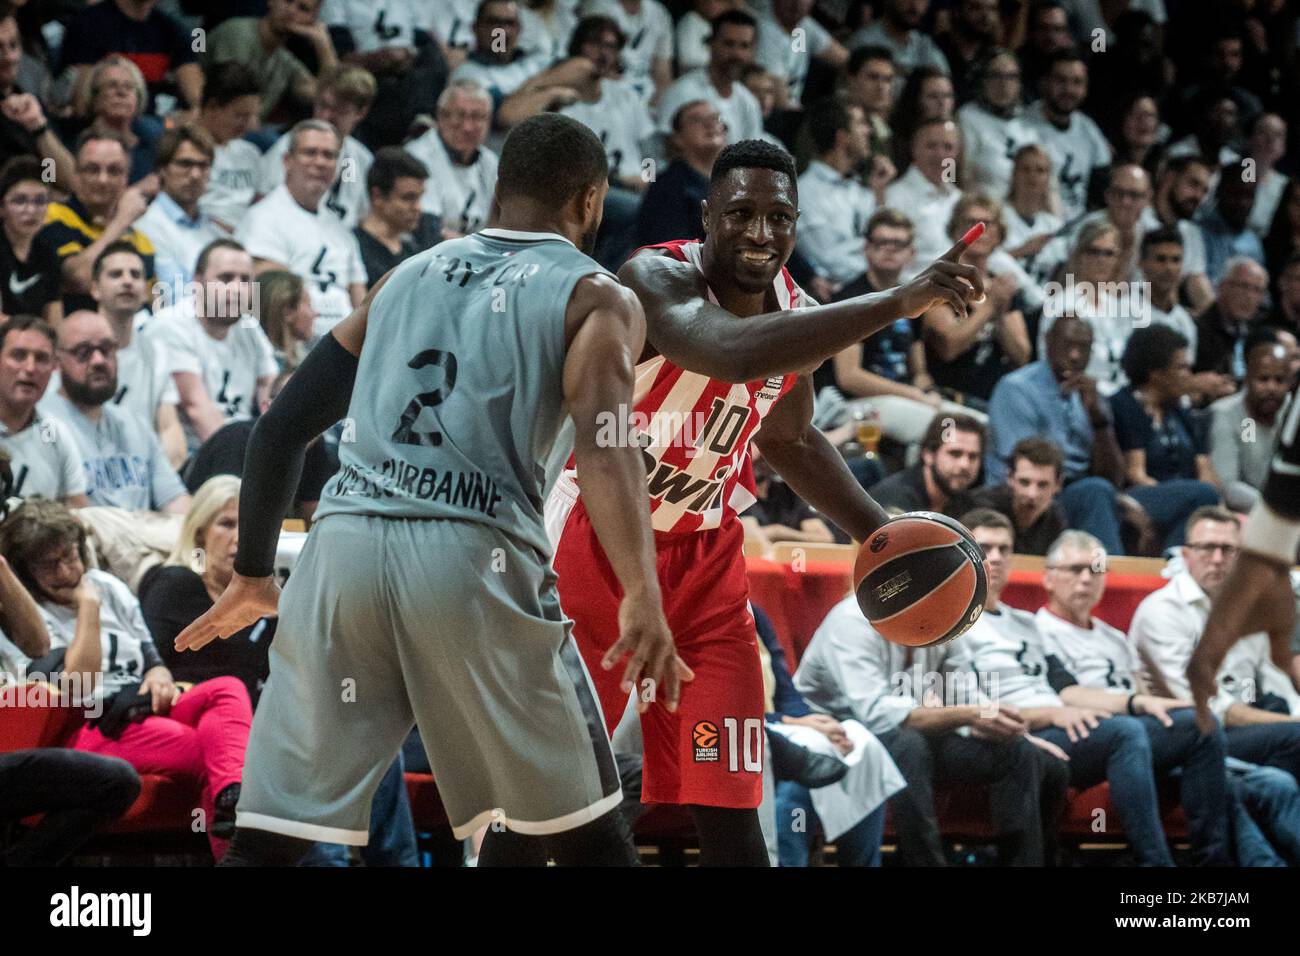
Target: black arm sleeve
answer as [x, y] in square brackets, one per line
[315, 398]
[1057, 675]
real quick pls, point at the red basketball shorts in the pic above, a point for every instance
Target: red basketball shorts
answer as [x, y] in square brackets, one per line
[710, 751]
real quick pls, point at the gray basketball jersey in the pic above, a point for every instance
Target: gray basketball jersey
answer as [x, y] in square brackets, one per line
[459, 396]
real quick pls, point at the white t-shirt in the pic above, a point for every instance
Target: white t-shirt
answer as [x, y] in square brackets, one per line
[1178, 319]
[1100, 656]
[620, 120]
[347, 199]
[177, 240]
[313, 245]
[833, 214]
[236, 168]
[1006, 651]
[143, 379]
[44, 459]
[229, 367]
[649, 33]
[919, 49]
[777, 52]
[454, 24]
[460, 195]
[546, 36]
[377, 24]
[1075, 151]
[929, 207]
[693, 32]
[122, 630]
[740, 111]
[991, 145]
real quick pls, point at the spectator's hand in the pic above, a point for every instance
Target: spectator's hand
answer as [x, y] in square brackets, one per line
[133, 203]
[1000, 290]
[829, 726]
[1159, 707]
[1004, 725]
[1031, 247]
[245, 601]
[86, 594]
[561, 96]
[397, 59]
[645, 639]
[1047, 745]
[947, 281]
[881, 175]
[316, 33]
[1213, 385]
[25, 110]
[159, 685]
[575, 71]
[1075, 721]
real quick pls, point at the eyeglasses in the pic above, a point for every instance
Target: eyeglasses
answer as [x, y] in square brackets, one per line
[34, 202]
[1207, 548]
[1074, 570]
[1101, 253]
[897, 245]
[52, 565]
[86, 350]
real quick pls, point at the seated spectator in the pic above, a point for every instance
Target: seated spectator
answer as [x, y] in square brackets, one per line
[343, 97]
[648, 59]
[219, 358]
[898, 31]
[29, 271]
[973, 33]
[928, 191]
[1127, 197]
[1048, 33]
[224, 453]
[1216, 125]
[869, 81]
[941, 481]
[394, 188]
[96, 622]
[287, 316]
[176, 593]
[1054, 398]
[1225, 229]
[834, 206]
[1160, 262]
[498, 65]
[291, 228]
[779, 514]
[1266, 145]
[1244, 426]
[1222, 330]
[101, 210]
[173, 222]
[764, 87]
[991, 125]
[850, 671]
[1181, 187]
[44, 454]
[1074, 141]
[145, 386]
[926, 95]
[232, 100]
[671, 207]
[1166, 456]
[124, 461]
[1073, 679]
[24, 129]
[1032, 209]
[1028, 499]
[462, 170]
[1139, 134]
[788, 54]
[160, 48]
[260, 44]
[117, 102]
[1286, 297]
[966, 356]
[693, 30]
[720, 82]
[1168, 625]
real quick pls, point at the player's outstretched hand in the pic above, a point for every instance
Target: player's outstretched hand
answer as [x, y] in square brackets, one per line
[644, 638]
[244, 601]
[948, 281]
[1257, 596]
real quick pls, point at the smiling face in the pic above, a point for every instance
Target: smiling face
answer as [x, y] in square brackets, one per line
[310, 164]
[749, 225]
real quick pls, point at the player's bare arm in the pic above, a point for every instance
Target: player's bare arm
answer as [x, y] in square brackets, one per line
[315, 398]
[683, 325]
[812, 467]
[605, 328]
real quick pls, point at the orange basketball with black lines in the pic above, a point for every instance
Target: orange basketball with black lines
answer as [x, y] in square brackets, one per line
[705, 734]
[920, 579]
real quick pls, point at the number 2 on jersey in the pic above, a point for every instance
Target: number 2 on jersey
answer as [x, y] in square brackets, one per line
[405, 432]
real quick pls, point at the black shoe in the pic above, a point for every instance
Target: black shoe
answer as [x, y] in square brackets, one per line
[793, 762]
[223, 818]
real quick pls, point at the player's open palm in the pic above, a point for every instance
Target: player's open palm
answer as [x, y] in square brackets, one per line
[244, 601]
[653, 668]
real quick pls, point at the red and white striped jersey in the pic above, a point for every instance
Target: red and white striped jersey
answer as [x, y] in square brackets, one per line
[694, 430]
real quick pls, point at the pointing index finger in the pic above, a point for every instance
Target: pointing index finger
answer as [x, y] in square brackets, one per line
[973, 233]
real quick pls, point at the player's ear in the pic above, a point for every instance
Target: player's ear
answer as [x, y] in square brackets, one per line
[704, 216]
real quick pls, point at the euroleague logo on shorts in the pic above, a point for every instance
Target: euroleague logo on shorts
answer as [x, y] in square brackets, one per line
[705, 736]
[879, 541]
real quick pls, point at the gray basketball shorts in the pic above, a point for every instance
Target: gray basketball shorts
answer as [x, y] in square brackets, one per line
[450, 625]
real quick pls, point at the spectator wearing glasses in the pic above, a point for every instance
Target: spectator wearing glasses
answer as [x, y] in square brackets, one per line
[29, 271]
[462, 170]
[869, 81]
[672, 203]
[1127, 196]
[992, 126]
[118, 99]
[174, 222]
[648, 57]
[1222, 330]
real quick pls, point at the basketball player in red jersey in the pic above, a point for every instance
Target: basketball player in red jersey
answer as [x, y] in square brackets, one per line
[723, 353]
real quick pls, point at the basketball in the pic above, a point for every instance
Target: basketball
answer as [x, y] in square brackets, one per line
[920, 579]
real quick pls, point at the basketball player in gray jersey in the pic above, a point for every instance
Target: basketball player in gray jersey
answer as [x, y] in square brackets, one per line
[425, 593]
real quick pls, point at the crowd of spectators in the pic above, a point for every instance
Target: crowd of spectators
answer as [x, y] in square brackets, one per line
[193, 193]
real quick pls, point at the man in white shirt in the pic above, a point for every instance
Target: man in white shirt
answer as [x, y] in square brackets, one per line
[174, 222]
[496, 62]
[928, 190]
[787, 55]
[898, 31]
[290, 229]
[1097, 716]
[43, 454]
[1181, 188]
[648, 56]
[462, 170]
[125, 465]
[731, 50]
[834, 206]
[1161, 264]
[232, 102]
[1168, 625]
[343, 97]
[1076, 144]
[221, 360]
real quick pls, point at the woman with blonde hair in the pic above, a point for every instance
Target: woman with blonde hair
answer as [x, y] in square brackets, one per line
[1033, 208]
[287, 316]
[117, 99]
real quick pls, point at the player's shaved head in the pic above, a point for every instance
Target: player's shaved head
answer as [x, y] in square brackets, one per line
[753, 154]
[550, 159]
